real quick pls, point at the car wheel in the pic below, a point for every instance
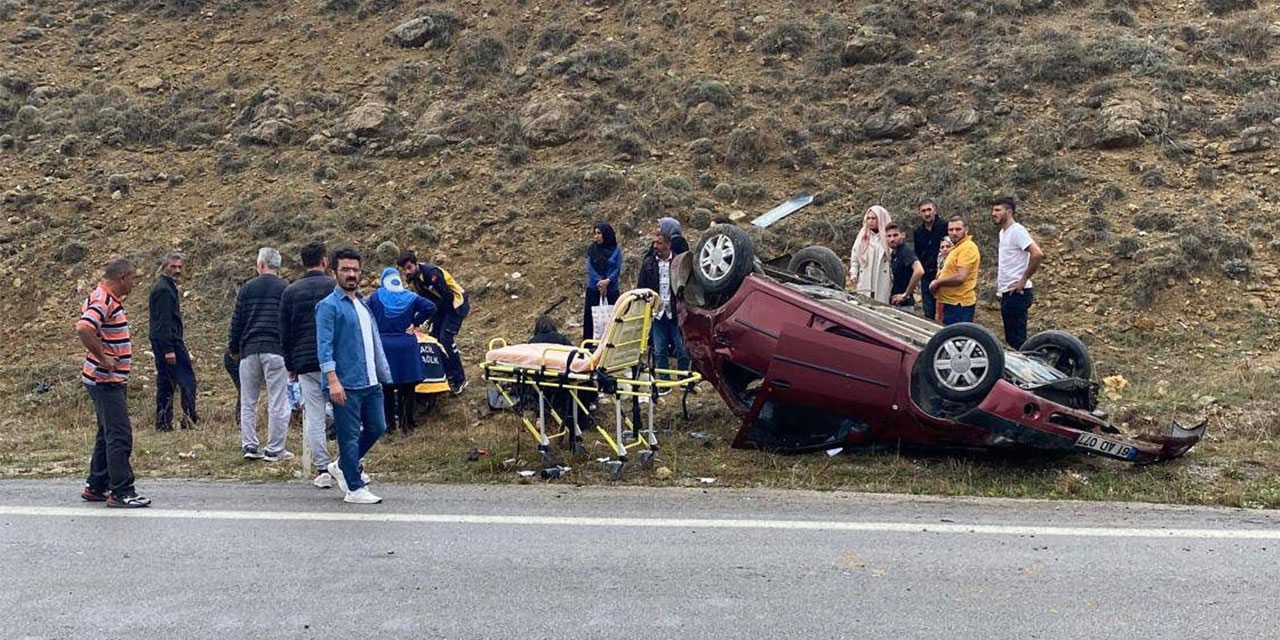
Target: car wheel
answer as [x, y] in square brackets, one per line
[819, 264]
[962, 362]
[1062, 351]
[723, 258]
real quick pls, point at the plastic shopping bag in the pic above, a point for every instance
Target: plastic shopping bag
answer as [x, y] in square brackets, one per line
[600, 316]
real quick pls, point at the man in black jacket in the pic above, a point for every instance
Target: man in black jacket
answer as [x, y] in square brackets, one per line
[926, 242]
[298, 337]
[173, 362]
[452, 307]
[254, 340]
[655, 274]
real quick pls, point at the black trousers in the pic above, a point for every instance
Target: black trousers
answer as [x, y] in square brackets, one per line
[168, 376]
[233, 369]
[1013, 311]
[109, 467]
[398, 405]
[445, 328]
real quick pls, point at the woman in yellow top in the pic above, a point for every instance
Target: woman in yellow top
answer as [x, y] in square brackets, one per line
[956, 286]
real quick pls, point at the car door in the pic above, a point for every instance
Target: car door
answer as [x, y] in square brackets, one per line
[826, 386]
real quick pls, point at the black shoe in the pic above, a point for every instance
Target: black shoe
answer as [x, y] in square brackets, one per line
[132, 501]
[252, 453]
[165, 427]
[89, 495]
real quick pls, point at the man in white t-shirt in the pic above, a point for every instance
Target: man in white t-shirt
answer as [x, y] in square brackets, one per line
[1019, 258]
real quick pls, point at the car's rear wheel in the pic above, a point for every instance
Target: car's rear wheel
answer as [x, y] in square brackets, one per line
[962, 362]
[723, 258]
[1062, 351]
[819, 264]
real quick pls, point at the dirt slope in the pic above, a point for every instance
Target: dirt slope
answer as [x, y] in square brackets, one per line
[1138, 135]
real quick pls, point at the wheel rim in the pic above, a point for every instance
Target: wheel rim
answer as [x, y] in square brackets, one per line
[961, 363]
[716, 258]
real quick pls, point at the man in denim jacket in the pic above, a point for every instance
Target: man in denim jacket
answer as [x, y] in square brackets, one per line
[354, 365]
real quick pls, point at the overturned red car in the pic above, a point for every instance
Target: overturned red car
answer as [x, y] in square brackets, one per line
[810, 367]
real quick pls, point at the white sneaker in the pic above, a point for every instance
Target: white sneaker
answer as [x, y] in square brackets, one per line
[365, 478]
[337, 475]
[361, 496]
[323, 480]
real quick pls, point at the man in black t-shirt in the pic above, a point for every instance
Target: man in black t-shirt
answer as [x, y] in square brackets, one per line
[926, 241]
[907, 270]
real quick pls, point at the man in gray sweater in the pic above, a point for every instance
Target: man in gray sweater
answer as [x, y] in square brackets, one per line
[254, 341]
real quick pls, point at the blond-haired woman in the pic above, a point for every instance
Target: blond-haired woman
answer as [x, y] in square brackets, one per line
[869, 272]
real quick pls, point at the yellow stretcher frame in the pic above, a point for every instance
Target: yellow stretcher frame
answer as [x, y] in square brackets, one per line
[622, 368]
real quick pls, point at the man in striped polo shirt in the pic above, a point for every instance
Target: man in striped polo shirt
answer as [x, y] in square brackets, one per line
[103, 328]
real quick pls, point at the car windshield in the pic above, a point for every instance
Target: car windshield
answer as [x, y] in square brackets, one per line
[916, 331]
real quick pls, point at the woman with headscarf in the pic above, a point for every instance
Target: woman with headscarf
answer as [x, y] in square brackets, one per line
[869, 270]
[604, 268]
[397, 311]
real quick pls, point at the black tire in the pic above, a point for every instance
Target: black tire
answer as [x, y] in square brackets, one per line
[1062, 351]
[723, 258]
[818, 263]
[953, 376]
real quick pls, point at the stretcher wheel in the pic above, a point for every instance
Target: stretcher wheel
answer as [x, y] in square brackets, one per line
[579, 450]
[549, 458]
[647, 459]
[614, 468]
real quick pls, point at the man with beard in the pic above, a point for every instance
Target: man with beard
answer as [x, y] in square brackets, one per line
[354, 366]
[1019, 257]
[905, 267]
[926, 242]
[173, 362]
[957, 283]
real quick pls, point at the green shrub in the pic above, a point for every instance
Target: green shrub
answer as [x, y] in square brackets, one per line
[481, 56]
[789, 37]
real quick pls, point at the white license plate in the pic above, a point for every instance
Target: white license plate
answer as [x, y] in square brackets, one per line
[1106, 447]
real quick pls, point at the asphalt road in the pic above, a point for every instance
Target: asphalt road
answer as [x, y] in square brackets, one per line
[232, 560]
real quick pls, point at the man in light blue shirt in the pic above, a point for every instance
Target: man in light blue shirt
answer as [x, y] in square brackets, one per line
[354, 366]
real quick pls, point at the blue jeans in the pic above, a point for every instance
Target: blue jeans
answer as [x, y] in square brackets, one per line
[1013, 311]
[956, 313]
[665, 334]
[359, 423]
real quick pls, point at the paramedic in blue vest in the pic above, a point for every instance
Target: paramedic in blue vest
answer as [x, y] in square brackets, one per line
[452, 306]
[604, 269]
[396, 309]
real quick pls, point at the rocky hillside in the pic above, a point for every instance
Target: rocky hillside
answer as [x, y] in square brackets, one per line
[1139, 136]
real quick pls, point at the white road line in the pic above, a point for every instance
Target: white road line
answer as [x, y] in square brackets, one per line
[668, 523]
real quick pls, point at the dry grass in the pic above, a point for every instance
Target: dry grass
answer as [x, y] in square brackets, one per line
[51, 434]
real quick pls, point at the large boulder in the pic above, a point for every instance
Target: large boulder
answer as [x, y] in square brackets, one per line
[1259, 138]
[370, 120]
[872, 48]
[431, 29]
[893, 122]
[1121, 125]
[271, 133]
[551, 122]
[957, 119]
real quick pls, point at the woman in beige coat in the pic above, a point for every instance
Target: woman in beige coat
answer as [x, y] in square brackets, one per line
[869, 272]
